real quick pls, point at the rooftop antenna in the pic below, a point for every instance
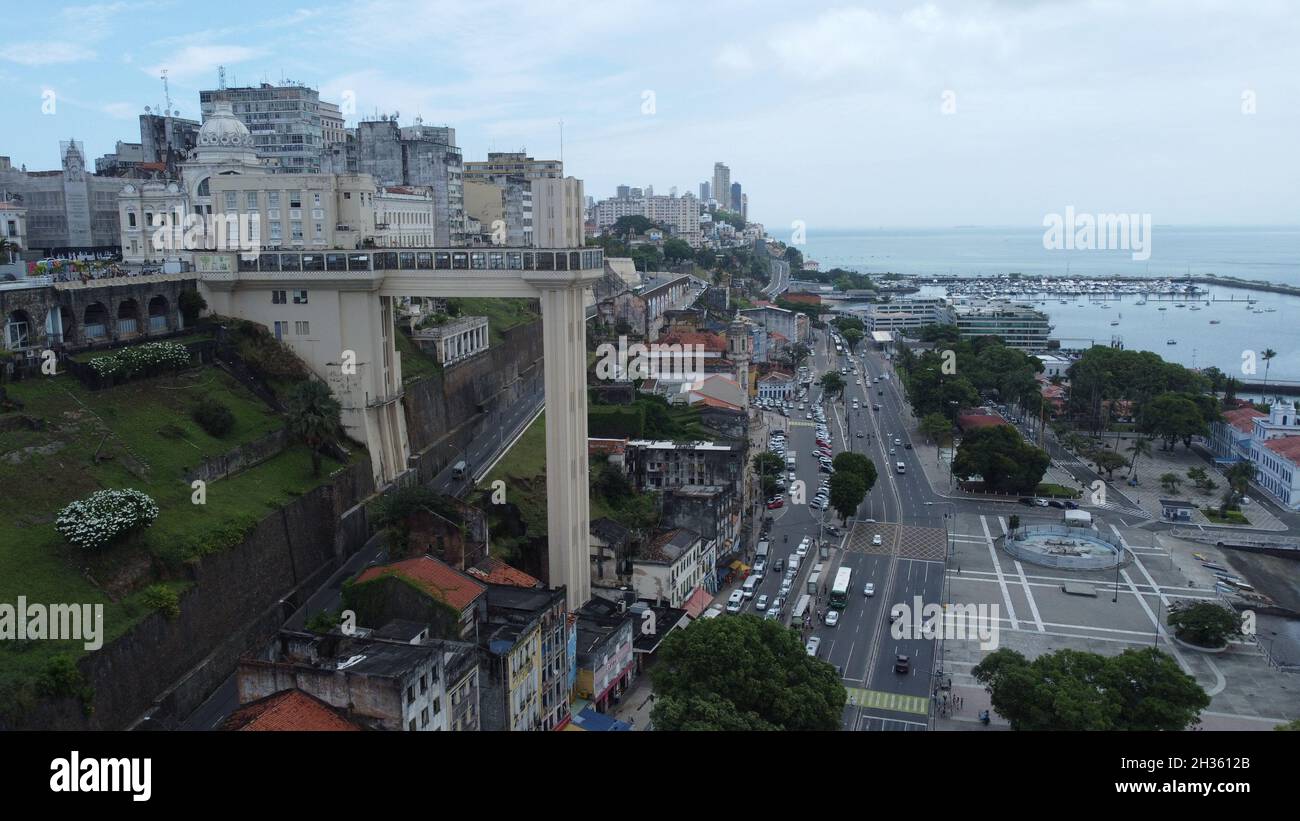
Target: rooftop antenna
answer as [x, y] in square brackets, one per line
[561, 142]
[167, 95]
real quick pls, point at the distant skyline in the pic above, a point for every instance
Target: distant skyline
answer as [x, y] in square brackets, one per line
[897, 115]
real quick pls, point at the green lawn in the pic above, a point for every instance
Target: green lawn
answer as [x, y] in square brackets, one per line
[1233, 517]
[145, 431]
[416, 364]
[502, 314]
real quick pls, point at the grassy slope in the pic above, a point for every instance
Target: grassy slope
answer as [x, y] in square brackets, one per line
[34, 559]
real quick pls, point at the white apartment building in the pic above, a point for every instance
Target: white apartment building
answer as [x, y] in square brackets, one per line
[1019, 326]
[672, 566]
[682, 213]
[404, 218]
[909, 312]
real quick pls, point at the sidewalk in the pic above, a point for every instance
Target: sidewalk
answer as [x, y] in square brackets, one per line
[974, 700]
[635, 704]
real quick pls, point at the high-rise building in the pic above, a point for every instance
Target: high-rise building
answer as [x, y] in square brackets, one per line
[682, 214]
[416, 156]
[168, 140]
[623, 192]
[744, 206]
[704, 191]
[285, 121]
[735, 197]
[527, 187]
[721, 183]
[331, 124]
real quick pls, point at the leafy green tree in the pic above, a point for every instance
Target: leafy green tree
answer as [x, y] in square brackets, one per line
[1140, 447]
[1198, 476]
[1204, 623]
[743, 673]
[313, 417]
[1013, 523]
[1004, 460]
[677, 250]
[832, 384]
[1173, 416]
[191, 303]
[852, 337]
[392, 513]
[1109, 461]
[1238, 477]
[858, 464]
[936, 428]
[768, 467]
[1074, 690]
[847, 492]
[631, 225]
[1171, 481]
[794, 355]
[1290, 726]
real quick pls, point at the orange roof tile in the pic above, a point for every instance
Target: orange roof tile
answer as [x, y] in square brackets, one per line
[495, 571]
[1288, 447]
[441, 581]
[288, 710]
[1243, 418]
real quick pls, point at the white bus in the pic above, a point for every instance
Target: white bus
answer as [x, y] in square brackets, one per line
[840, 592]
[800, 611]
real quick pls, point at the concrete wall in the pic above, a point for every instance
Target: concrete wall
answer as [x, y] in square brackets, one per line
[239, 599]
[456, 405]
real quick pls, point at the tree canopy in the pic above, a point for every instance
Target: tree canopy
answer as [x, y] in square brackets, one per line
[1140, 689]
[743, 673]
[1004, 460]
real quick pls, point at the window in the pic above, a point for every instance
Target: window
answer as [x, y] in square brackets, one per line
[424, 717]
[319, 231]
[424, 684]
[347, 195]
[302, 328]
[277, 298]
[316, 199]
[251, 200]
[296, 228]
[232, 201]
[437, 706]
[281, 329]
[272, 199]
[318, 213]
[299, 297]
[130, 219]
[411, 726]
[410, 695]
[295, 199]
[275, 231]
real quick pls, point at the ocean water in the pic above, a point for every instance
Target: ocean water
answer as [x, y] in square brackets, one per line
[1271, 254]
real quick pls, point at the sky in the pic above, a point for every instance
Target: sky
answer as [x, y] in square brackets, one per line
[836, 115]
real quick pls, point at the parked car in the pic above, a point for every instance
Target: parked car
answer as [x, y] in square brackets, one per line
[832, 618]
[1071, 506]
[775, 504]
[1026, 501]
[813, 644]
[1056, 503]
[761, 604]
[735, 600]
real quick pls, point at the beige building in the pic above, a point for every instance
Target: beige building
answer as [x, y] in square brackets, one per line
[404, 217]
[558, 213]
[485, 202]
[13, 228]
[301, 211]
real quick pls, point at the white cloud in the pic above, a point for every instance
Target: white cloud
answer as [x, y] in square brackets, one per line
[193, 62]
[734, 59]
[37, 53]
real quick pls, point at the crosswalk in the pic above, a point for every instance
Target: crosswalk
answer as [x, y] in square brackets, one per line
[876, 699]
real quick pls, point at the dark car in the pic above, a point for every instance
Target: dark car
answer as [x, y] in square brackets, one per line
[907, 446]
[1026, 501]
[779, 567]
[902, 664]
[1056, 503]
[1071, 506]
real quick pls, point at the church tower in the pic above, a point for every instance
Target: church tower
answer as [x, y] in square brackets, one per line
[738, 351]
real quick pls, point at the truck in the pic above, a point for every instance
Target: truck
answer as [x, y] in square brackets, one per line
[458, 470]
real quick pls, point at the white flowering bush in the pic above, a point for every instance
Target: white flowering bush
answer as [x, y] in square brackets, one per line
[152, 357]
[97, 520]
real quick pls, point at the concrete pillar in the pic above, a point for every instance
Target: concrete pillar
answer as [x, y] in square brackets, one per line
[568, 510]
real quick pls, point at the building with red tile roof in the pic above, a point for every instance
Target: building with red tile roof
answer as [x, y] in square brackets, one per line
[971, 419]
[430, 577]
[494, 571]
[289, 710]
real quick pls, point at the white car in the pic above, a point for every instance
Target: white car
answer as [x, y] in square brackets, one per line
[761, 604]
[792, 476]
[802, 549]
[869, 589]
[759, 567]
[832, 618]
[735, 600]
[876, 540]
[786, 584]
[812, 645]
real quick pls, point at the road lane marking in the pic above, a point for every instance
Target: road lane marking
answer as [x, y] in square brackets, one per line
[1002, 580]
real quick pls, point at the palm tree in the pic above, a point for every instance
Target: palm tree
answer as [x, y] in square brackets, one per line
[1140, 447]
[1267, 356]
[8, 248]
[313, 417]
[1238, 478]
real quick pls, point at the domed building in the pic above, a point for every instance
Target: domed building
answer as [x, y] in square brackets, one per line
[224, 146]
